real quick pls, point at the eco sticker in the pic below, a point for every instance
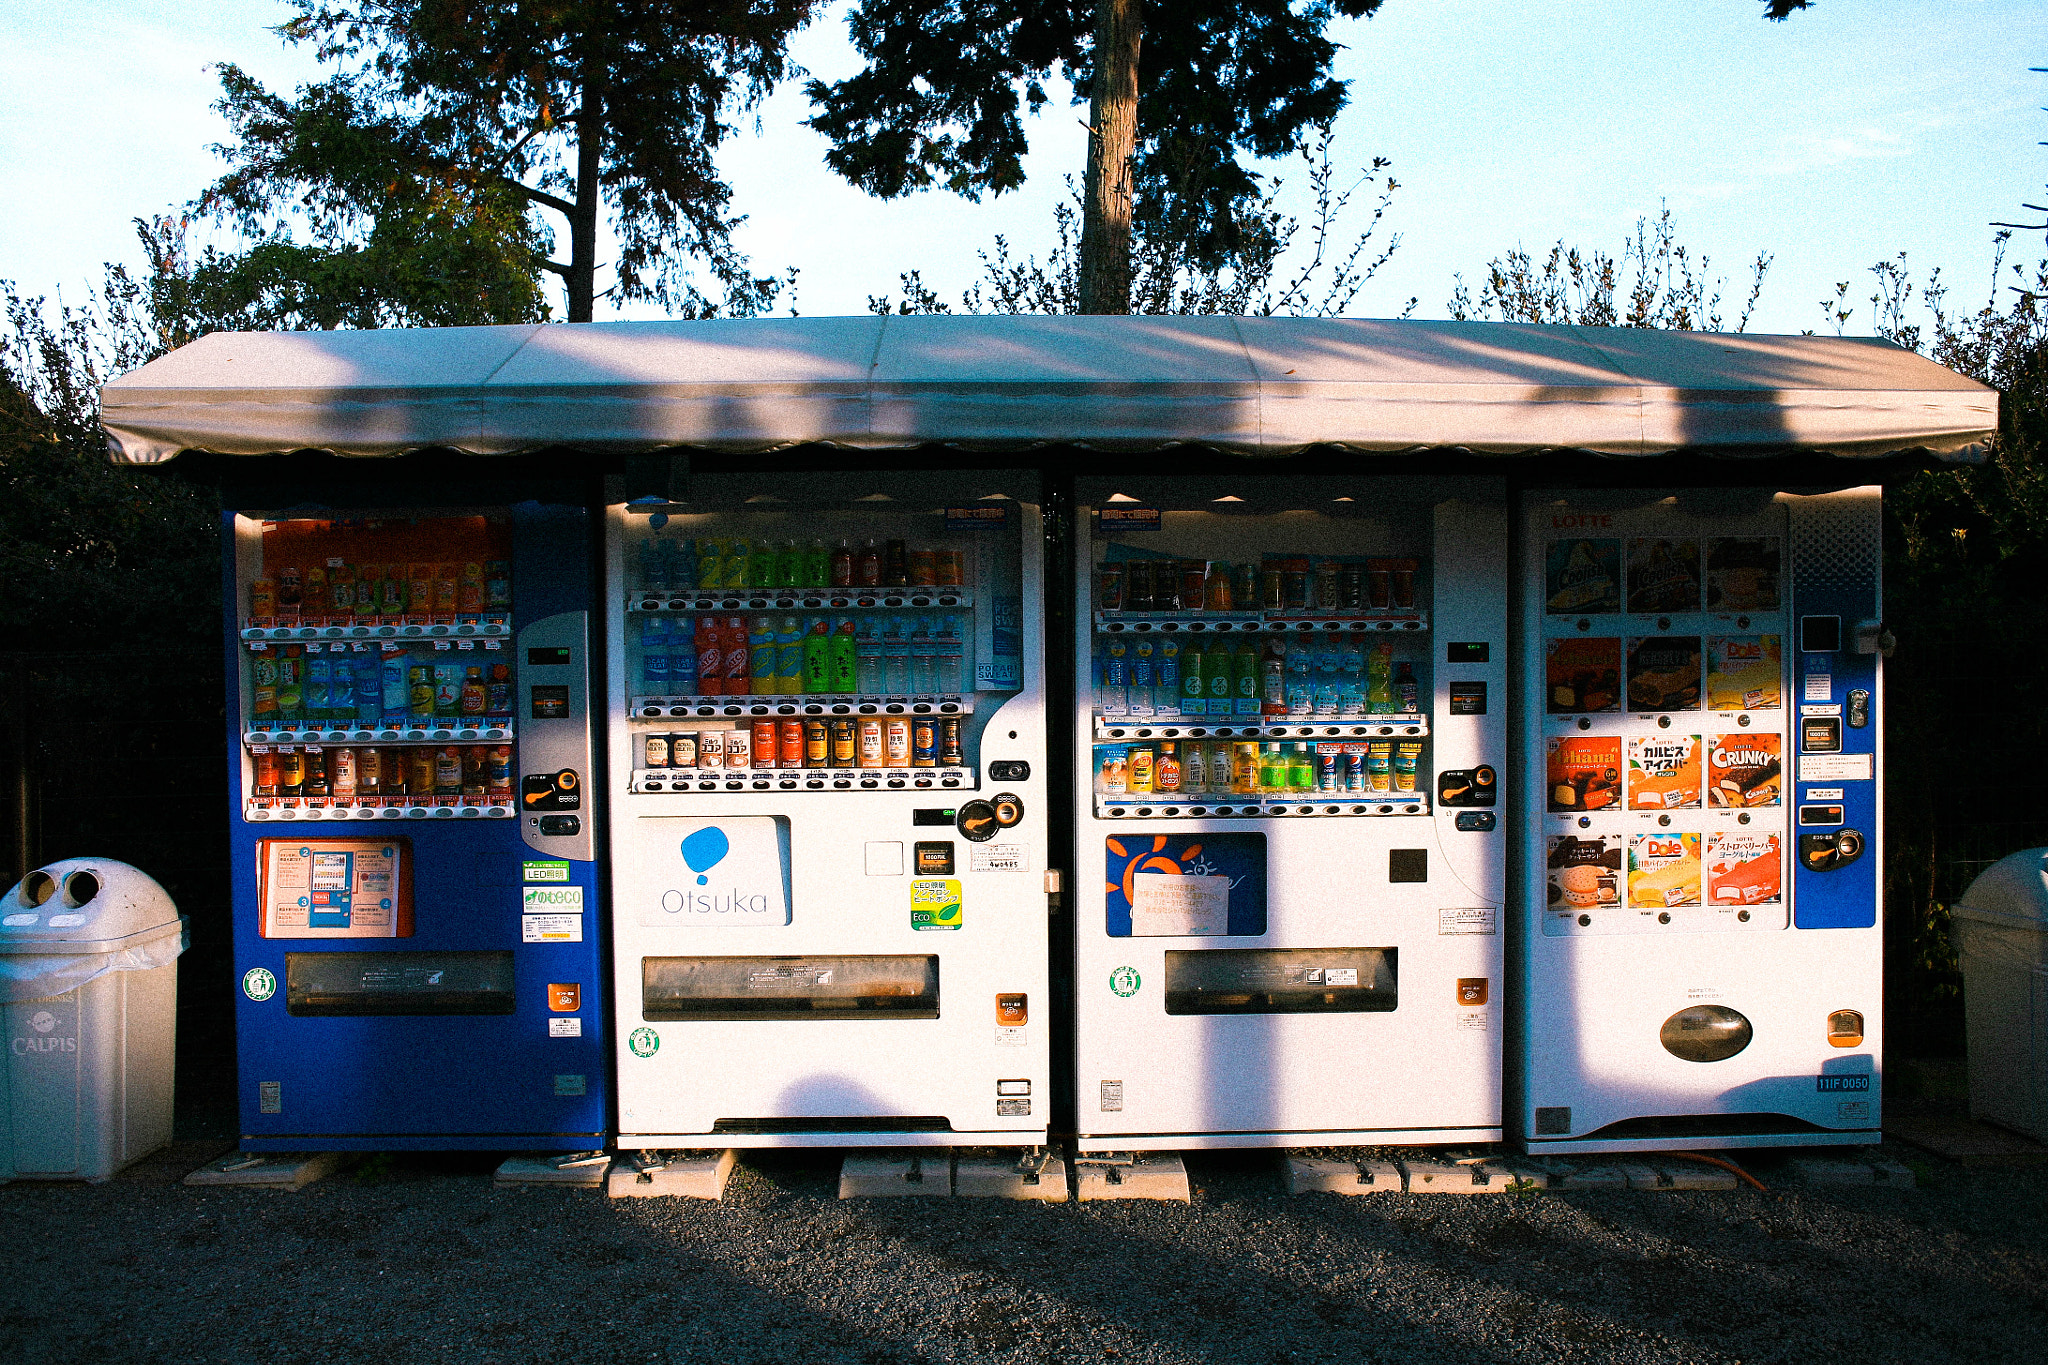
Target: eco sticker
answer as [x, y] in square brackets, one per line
[645, 1042]
[935, 903]
[1125, 981]
[258, 984]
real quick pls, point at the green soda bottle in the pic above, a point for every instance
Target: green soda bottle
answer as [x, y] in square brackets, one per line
[1301, 769]
[761, 565]
[817, 657]
[817, 566]
[738, 560]
[1272, 769]
[1244, 668]
[1194, 693]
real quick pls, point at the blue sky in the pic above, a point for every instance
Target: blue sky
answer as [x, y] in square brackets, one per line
[1854, 131]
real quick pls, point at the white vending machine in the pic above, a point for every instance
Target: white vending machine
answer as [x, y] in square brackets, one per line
[828, 830]
[1701, 806]
[1290, 854]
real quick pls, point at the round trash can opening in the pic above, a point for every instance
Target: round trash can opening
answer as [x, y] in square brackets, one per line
[1705, 1033]
[80, 887]
[37, 887]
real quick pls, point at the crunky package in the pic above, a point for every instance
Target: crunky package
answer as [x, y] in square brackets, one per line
[1745, 770]
[1663, 871]
[1745, 673]
[1744, 869]
[1664, 772]
[1585, 772]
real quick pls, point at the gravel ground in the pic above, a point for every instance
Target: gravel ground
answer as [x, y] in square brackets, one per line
[418, 1258]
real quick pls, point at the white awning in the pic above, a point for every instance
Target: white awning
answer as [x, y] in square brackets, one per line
[1253, 386]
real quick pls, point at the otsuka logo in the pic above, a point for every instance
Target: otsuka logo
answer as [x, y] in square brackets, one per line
[702, 851]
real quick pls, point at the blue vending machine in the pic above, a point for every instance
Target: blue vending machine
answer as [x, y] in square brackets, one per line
[416, 888]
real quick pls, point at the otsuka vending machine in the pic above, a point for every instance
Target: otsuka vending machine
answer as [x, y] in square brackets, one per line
[1290, 867]
[414, 819]
[828, 811]
[1701, 808]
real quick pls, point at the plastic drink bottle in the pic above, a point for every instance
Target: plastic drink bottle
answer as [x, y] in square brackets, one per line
[789, 657]
[682, 565]
[1301, 690]
[738, 655]
[761, 656]
[923, 662]
[739, 562]
[1351, 680]
[841, 573]
[653, 564]
[896, 658]
[1406, 689]
[867, 645]
[1167, 690]
[949, 657]
[1194, 693]
[789, 565]
[1273, 681]
[654, 655]
[710, 563]
[1143, 676]
[710, 644]
[845, 657]
[1114, 696]
[682, 657]
[817, 572]
[818, 656]
[1244, 668]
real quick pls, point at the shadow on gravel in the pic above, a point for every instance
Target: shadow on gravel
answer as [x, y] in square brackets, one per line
[419, 1258]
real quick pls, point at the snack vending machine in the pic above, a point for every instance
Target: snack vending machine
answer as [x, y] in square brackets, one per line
[828, 819]
[416, 886]
[1291, 857]
[1701, 958]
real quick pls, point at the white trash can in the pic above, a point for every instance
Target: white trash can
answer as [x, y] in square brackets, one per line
[2001, 930]
[89, 1003]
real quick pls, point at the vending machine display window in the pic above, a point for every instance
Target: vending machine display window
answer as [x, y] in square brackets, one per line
[844, 647]
[379, 670]
[1260, 664]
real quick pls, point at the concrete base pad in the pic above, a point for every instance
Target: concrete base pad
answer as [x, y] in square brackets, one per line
[1444, 1177]
[541, 1170]
[1818, 1170]
[1152, 1175]
[1326, 1175]
[997, 1177]
[888, 1174]
[1600, 1177]
[1694, 1175]
[690, 1175]
[270, 1170]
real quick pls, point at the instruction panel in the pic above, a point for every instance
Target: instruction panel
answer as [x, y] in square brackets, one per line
[333, 888]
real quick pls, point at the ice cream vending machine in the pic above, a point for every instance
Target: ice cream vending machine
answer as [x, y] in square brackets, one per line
[1291, 857]
[1701, 958]
[828, 813]
[413, 832]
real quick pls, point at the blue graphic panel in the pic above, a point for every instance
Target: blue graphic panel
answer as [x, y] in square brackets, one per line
[1240, 857]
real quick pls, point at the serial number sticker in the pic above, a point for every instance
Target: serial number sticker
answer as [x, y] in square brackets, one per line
[551, 870]
[1836, 767]
[1112, 1097]
[1467, 919]
[1013, 1109]
[567, 899]
[551, 928]
[998, 858]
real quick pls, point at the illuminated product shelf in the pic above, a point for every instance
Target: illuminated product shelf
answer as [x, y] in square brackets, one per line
[687, 780]
[253, 810]
[769, 705]
[1256, 622]
[799, 599]
[327, 732]
[1293, 806]
[1189, 727]
[473, 630]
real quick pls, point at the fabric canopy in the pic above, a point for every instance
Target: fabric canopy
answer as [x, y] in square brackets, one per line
[1254, 386]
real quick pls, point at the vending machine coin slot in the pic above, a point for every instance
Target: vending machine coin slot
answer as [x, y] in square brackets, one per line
[1009, 770]
[1859, 707]
[1825, 852]
[1468, 698]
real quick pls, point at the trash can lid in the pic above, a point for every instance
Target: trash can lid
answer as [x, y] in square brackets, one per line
[82, 901]
[2012, 891]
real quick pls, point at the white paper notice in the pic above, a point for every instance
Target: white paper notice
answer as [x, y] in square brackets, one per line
[1819, 686]
[1835, 768]
[998, 858]
[551, 928]
[565, 1028]
[1167, 904]
[1466, 919]
[1010, 1035]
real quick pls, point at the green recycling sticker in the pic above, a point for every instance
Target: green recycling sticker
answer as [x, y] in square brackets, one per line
[645, 1042]
[1125, 981]
[258, 984]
